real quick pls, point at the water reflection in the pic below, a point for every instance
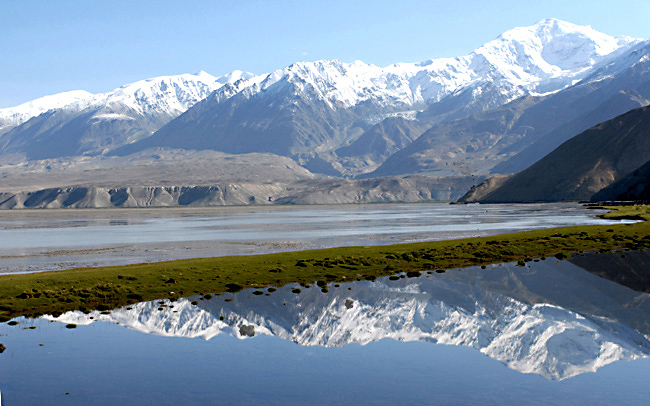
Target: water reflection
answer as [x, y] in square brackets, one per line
[551, 318]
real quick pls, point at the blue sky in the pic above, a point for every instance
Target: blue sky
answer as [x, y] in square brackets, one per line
[50, 46]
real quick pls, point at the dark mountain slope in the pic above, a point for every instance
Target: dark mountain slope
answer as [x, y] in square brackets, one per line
[614, 96]
[633, 187]
[515, 136]
[581, 166]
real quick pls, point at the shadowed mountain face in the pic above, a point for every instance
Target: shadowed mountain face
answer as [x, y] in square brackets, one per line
[600, 102]
[62, 133]
[287, 119]
[551, 318]
[632, 187]
[510, 138]
[581, 166]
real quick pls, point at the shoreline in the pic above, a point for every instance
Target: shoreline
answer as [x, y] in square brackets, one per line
[105, 288]
[67, 239]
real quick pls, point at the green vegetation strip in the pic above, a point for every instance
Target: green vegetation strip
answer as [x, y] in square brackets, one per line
[106, 288]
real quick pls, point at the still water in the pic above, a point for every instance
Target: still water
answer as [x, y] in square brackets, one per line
[38, 240]
[548, 333]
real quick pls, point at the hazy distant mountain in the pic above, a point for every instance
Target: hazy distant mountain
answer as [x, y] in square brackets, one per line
[581, 166]
[80, 123]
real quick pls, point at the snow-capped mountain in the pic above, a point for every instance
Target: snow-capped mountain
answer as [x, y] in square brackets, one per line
[14, 116]
[79, 123]
[543, 58]
[536, 328]
[350, 119]
[310, 110]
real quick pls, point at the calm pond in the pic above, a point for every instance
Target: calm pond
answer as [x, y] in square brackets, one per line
[551, 332]
[38, 240]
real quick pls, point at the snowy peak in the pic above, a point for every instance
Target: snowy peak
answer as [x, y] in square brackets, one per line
[13, 116]
[169, 95]
[545, 57]
[232, 77]
[529, 56]
[160, 96]
[339, 83]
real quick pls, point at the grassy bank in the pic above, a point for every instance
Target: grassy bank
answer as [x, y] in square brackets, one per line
[109, 287]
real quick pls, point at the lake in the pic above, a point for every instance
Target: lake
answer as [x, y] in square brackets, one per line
[39, 240]
[548, 333]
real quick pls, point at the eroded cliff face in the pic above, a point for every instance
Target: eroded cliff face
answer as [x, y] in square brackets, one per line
[324, 191]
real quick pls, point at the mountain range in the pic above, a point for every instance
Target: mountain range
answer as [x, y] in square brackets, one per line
[497, 110]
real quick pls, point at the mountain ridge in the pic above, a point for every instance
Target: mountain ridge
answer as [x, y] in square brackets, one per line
[463, 116]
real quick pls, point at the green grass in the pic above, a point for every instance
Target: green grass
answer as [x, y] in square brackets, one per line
[106, 288]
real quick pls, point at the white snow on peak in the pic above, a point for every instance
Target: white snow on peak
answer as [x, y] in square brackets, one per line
[12, 116]
[543, 58]
[539, 59]
[161, 96]
[170, 95]
[533, 56]
[235, 76]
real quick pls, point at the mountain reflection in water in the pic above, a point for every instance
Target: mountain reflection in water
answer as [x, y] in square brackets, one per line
[550, 318]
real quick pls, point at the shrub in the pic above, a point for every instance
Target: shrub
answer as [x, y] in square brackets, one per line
[233, 287]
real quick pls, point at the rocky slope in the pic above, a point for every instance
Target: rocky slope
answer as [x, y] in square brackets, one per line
[580, 167]
[228, 193]
[632, 187]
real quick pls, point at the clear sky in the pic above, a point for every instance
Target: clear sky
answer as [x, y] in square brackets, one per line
[51, 46]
